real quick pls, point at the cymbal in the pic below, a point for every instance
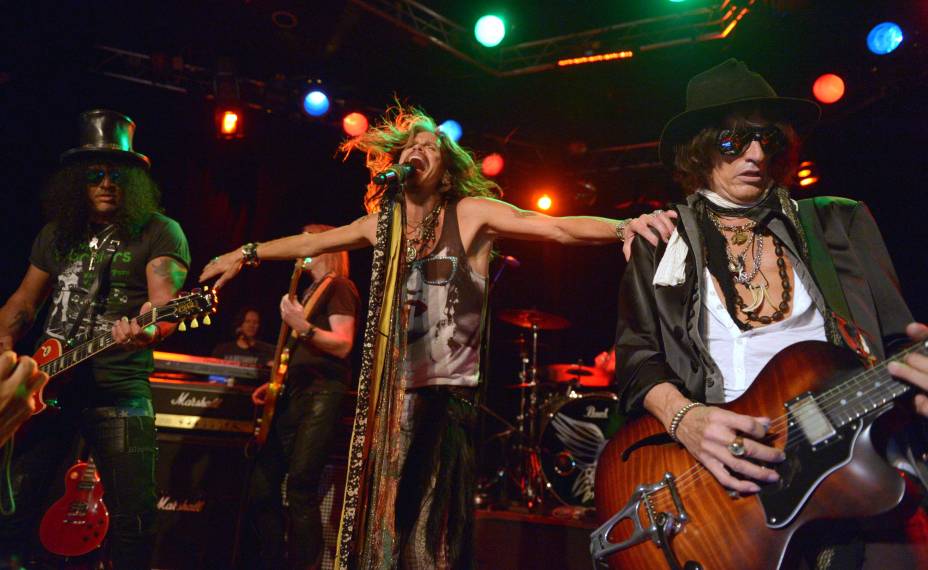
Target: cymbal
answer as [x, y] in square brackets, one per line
[587, 376]
[526, 318]
[528, 385]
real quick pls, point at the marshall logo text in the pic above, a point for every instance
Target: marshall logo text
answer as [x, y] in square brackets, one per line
[186, 400]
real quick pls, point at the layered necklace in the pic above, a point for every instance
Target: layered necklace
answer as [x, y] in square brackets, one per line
[749, 234]
[423, 233]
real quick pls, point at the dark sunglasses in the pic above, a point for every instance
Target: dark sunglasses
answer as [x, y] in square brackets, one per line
[96, 175]
[732, 142]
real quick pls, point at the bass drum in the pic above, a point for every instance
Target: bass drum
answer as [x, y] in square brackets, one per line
[574, 432]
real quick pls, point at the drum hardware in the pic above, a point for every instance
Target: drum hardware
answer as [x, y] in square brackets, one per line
[527, 473]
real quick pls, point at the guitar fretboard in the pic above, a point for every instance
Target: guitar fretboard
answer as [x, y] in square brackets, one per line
[91, 347]
[865, 392]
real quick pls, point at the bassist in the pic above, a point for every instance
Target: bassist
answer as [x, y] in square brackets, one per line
[289, 465]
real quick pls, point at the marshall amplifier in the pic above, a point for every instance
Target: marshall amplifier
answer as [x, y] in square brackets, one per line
[202, 406]
[201, 482]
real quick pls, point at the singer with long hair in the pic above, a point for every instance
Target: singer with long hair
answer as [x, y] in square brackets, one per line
[410, 466]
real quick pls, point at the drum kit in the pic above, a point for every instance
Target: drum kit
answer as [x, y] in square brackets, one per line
[566, 416]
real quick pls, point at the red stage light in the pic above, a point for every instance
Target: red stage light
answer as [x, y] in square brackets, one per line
[355, 124]
[492, 164]
[544, 202]
[828, 88]
[230, 123]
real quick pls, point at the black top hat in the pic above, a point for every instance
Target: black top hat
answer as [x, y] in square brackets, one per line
[715, 92]
[106, 134]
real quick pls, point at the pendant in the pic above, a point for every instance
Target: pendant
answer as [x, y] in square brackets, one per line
[740, 237]
[411, 253]
[758, 294]
[736, 265]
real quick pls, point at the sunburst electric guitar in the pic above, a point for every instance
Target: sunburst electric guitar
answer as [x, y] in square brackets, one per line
[663, 509]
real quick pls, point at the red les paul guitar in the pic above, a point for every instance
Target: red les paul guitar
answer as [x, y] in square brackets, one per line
[54, 360]
[77, 522]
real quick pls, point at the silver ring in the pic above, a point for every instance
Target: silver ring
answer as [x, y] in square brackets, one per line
[736, 447]
[657, 212]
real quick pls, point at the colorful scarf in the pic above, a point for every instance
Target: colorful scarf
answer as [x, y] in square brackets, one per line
[367, 533]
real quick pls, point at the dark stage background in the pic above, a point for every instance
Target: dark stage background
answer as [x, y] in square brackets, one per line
[285, 172]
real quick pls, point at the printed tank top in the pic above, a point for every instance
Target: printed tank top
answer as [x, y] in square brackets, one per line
[445, 298]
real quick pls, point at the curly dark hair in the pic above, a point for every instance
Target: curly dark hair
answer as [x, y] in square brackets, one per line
[695, 159]
[66, 203]
[383, 143]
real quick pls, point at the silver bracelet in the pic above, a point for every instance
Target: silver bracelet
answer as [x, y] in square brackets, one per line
[678, 417]
[250, 255]
[620, 229]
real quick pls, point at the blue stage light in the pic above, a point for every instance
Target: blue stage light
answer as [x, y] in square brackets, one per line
[451, 128]
[884, 38]
[316, 103]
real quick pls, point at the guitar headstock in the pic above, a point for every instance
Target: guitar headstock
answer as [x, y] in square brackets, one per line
[188, 307]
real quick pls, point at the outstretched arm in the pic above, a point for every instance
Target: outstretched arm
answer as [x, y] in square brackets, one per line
[500, 219]
[360, 233]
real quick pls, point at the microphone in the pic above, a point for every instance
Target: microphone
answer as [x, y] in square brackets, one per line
[396, 174]
[511, 261]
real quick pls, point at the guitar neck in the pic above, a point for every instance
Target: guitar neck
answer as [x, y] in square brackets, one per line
[865, 392]
[279, 369]
[89, 348]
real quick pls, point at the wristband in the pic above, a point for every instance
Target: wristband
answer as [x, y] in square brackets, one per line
[620, 229]
[309, 334]
[250, 255]
[678, 417]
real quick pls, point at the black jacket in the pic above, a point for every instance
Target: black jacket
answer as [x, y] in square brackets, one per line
[659, 328]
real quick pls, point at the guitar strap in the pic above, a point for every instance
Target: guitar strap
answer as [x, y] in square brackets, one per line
[823, 269]
[101, 277]
[310, 306]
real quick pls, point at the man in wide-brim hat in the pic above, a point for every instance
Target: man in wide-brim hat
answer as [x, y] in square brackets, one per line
[748, 272]
[106, 255]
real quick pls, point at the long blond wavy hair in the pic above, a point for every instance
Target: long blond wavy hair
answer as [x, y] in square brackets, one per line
[383, 143]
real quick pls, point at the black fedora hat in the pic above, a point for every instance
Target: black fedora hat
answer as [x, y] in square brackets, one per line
[106, 134]
[713, 93]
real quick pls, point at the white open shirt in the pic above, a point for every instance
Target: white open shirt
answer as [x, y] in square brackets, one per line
[741, 355]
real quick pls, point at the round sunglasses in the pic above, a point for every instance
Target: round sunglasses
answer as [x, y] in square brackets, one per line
[733, 142]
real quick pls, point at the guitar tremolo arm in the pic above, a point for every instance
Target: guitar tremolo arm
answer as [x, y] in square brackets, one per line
[659, 527]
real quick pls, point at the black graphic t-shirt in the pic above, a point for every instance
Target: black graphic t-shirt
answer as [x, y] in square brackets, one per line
[307, 363]
[117, 374]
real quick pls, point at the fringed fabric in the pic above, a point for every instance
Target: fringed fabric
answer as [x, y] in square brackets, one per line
[366, 536]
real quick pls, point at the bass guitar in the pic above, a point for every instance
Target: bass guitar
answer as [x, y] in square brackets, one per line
[54, 359]
[662, 509]
[281, 363]
[77, 522]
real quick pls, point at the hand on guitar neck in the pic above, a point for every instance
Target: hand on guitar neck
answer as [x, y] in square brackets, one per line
[130, 334]
[915, 368]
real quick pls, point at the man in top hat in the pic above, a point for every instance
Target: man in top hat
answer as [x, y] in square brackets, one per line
[106, 254]
[747, 273]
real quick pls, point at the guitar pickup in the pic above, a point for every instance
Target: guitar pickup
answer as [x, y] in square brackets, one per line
[805, 413]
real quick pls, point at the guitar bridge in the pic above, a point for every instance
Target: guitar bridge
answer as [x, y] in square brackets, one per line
[659, 527]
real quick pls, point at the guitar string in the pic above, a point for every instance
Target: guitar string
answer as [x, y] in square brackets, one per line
[695, 473]
[107, 341]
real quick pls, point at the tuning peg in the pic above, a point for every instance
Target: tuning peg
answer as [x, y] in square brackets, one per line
[182, 327]
[206, 320]
[194, 324]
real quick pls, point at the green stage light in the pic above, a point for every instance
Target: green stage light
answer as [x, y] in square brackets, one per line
[490, 30]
